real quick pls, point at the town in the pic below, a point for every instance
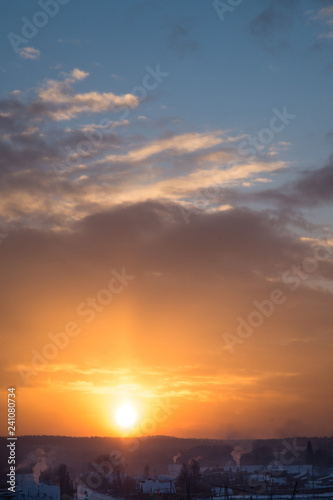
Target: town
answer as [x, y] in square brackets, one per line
[258, 470]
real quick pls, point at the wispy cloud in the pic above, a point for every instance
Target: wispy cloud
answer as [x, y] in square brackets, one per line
[29, 53]
[325, 16]
[63, 104]
[74, 41]
[272, 25]
[184, 143]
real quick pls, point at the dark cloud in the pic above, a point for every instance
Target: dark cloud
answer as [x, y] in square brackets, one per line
[180, 40]
[274, 22]
[320, 45]
[317, 186]
[152, 236]
[311, 188]
[28, 141]
[222, 261]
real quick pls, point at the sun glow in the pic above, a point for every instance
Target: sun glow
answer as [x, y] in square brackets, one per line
[126, 415]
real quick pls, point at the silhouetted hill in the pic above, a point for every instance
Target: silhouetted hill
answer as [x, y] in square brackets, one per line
[156, 451]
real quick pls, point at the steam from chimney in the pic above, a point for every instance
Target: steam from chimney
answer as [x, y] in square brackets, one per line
[175, 458]
[38, 468]
[238, 451]
[39, 460]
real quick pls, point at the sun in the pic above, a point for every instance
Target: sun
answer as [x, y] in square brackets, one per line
[126, 415]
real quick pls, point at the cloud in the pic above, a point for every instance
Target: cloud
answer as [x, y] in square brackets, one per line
[29, 53]
[183, 143]
[151, 227]
[311, 188]
[78, 74]
[74, 41]
[276, 19]
[325, 13]
[99, 166]
[315, 187]
[325, 16]
[92, 127]
[180, 42]
[62, 104]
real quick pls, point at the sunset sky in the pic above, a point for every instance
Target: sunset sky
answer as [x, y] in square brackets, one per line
[166, 216]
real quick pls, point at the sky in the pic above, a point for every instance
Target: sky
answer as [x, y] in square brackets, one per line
[166, 217]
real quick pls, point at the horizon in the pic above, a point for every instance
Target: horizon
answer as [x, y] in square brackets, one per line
[166, 236]
[146, 436]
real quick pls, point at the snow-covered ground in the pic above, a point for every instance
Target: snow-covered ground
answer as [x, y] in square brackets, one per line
[27, 489]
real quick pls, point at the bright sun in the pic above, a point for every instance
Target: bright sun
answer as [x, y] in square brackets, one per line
[126, 415]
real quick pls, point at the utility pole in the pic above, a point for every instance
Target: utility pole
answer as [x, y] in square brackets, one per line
[294, 492]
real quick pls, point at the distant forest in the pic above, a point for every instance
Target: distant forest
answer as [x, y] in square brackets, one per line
[158, 452]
